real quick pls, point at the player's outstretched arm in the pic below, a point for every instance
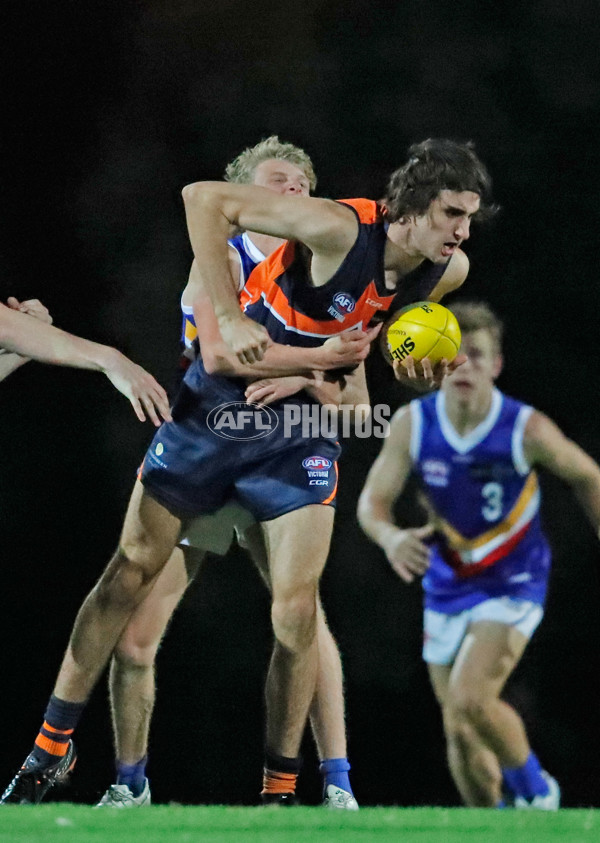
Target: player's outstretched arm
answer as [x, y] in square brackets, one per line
[10, 361]
[146, 395]
[405, 550]
[40, 341]
[546, 445]
[213, 207]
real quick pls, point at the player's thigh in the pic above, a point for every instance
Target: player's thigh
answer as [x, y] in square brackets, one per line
[253, 541]
[488, 655]
[439, 676]
[297, 546]
[150, 531]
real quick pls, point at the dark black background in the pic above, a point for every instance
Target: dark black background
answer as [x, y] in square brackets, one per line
[108, 109]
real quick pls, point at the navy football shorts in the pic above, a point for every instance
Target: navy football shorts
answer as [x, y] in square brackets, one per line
[215, 450]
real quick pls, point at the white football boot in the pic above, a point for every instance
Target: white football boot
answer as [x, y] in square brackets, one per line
[339, 799]
[120, 796]
[549, 802]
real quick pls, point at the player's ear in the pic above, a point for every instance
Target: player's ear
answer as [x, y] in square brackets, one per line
[498, 365]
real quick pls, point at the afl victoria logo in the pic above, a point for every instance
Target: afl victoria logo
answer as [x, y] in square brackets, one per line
[238, 420]
[344, 302]
[317, 463]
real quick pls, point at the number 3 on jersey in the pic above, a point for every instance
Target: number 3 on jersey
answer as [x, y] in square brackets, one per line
[492, 508]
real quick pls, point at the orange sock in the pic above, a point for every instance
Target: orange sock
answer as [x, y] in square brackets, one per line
[60, 720]
[276, 782]
[51, 744]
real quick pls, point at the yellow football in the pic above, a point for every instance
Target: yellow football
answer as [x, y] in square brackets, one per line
[423, 329]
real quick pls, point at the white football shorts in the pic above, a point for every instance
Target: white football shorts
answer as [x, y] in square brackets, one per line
[214, 532]
[444, 634]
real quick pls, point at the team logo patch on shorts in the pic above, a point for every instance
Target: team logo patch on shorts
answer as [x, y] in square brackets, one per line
[238, 420]
[317, 470]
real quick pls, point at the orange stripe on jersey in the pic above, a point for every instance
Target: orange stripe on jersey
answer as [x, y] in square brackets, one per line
[333, 494]
[460, 543]
[261, 277]
[263, 284]
[368, 211]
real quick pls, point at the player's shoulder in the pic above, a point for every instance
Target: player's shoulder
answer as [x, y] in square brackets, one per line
[537, 424]
[367, 210]
[402, 420]
[424, 403]
[456, 271]
[513, 407]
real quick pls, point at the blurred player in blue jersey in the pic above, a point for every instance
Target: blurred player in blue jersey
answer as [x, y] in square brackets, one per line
[287, 169]
[349, 263]
[26, 333]
[483, 554]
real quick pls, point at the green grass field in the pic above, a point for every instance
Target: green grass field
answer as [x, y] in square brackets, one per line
[177, 824]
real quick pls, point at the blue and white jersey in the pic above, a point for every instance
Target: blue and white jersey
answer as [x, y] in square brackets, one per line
[485, 502]
[249, 257]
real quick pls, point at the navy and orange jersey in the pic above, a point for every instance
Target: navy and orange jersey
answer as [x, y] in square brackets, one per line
[485, 501]
[280, 295]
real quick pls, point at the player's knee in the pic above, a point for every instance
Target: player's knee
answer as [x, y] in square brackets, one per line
[126, 580]
[131, 661]
[134, 651]
[466, 709]
[459, 730]
[294, 620]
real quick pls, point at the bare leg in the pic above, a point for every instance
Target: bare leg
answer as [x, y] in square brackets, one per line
[483, 732]
[149, 535]
[131, 682]
[327, 712]
[297, 547]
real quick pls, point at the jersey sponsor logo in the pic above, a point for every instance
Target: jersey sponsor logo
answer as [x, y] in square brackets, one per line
[435, 472]
[342, 305]
[241, 421]
[491, 471]
[375, 303]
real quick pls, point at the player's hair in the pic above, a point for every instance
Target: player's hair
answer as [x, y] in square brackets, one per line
[478, 316]
[437, 164]
[241, 169]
